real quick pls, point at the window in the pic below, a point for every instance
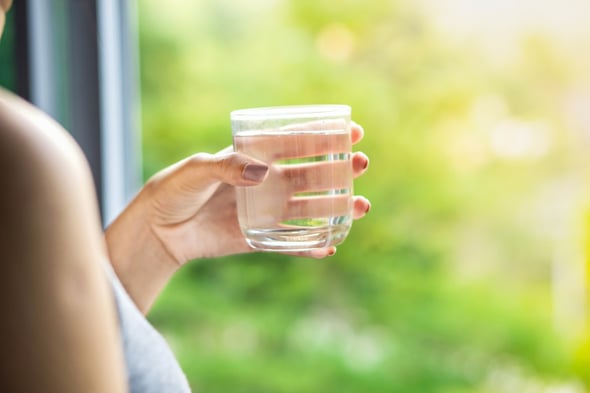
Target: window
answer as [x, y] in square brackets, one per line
[75, 60]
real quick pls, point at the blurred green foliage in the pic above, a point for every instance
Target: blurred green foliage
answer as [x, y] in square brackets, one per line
[448, 284]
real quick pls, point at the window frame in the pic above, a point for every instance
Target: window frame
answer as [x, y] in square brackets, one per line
[78, 62]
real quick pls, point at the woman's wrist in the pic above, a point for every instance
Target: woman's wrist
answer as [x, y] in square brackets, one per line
[140, 259]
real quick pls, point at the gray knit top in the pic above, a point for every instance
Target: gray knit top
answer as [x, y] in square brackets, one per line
[151, 366]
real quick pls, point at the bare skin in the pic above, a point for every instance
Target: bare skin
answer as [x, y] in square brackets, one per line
[188, 211]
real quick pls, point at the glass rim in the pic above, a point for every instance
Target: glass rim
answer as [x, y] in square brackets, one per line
[291, 112]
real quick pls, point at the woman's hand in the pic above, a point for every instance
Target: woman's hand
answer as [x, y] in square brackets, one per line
[188, 211]
[193, 206]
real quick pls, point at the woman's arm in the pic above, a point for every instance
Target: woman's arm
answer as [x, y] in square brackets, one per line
[188, 211]
[184, 212]
[58, 332]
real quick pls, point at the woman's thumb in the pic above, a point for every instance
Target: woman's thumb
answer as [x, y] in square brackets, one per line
[240, 170]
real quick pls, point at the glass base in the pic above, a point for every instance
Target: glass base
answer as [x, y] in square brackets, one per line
[296, 239]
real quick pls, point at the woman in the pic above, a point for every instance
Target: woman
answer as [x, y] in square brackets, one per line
[72, 298]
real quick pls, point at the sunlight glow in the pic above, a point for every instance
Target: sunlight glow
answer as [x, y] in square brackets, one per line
[336, 42]
[514, 138]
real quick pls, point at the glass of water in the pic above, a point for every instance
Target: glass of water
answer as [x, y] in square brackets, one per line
[306, 201]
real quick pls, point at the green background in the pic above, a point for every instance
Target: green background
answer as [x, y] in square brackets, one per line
[467, 273]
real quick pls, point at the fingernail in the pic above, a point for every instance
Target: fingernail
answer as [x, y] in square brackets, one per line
[254, 172]
[359, 155]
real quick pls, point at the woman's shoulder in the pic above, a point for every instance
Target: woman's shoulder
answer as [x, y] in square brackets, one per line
[51, 283]
[35, 146]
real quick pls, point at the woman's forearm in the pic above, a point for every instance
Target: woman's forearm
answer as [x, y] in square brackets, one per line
[140, 260]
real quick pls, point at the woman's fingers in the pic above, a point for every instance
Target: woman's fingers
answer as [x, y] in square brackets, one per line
[356, 130]
[360, 163]
[317, 177]
[356, 133]
[327, 206]
[309, 176]
[203, 169]
[323, 175]
[360, 207]
[275, 147]
[318, 206]
[317, 253]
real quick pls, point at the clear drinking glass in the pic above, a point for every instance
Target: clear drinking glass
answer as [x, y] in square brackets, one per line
[306, 200]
